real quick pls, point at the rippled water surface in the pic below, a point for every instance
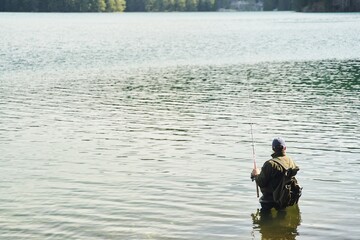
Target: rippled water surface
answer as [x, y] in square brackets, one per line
[136, 126]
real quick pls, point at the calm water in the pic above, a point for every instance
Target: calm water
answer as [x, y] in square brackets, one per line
[135, 126]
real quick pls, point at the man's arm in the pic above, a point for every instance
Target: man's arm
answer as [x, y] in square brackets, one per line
[262, 177]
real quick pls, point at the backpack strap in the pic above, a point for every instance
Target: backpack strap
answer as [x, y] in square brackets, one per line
[287, 171]
[281, 164]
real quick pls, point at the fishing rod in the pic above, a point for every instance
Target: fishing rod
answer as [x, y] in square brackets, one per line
[251, 132]
[254, 160]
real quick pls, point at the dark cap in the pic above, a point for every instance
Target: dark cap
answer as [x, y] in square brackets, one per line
[278, 143]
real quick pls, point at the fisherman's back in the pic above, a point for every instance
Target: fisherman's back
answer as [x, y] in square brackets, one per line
[271, 174]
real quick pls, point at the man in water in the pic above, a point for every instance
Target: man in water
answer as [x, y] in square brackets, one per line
[271, 174]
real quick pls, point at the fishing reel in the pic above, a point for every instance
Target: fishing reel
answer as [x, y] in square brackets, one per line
[252, 177]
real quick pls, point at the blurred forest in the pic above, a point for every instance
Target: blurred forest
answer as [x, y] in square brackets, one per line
[178, 5]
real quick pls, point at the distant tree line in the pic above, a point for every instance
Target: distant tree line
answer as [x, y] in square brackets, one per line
[106, 5]
[281, 5]
[312, 5]
[62, 5]
[172, 5]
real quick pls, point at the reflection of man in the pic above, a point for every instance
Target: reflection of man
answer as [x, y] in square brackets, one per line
[277, 224]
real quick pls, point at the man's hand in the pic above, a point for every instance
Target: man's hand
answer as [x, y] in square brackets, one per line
[255, 172]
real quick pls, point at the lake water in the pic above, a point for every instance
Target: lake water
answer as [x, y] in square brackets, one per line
[136, 126]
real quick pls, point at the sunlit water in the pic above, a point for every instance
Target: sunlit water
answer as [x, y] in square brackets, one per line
[136, 126]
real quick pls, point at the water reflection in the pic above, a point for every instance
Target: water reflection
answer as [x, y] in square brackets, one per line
[277, 224]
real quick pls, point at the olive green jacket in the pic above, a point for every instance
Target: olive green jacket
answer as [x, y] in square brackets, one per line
[271, 174]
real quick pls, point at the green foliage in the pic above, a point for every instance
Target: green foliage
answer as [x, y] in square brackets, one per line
[167, 5]
[97, 6]
[71, 5]
[206, 5]
[192, 5]
[85, 6]
[180, 5]
[62, 5]
[171, 5]
[110, 5]
[106, 5]
[120, 5]
[151, 5]
[115, 5]
[101, 5]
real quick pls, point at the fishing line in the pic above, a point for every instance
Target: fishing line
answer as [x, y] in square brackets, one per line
[251, 128]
